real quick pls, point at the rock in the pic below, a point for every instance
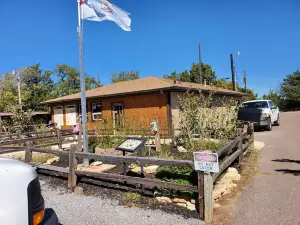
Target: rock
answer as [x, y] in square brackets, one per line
[193, 201]
[157, 194]
[182, 199]
[258, 145]
[179, 200]
[232, 174]
[181, 149]
[147, 169]
[181, 204]
[163, 199]
[216, 205]
[227, 191]
[218, 191]
[151, 169]
[97, 163]
[190, 206]
[78, 191]
[52, 160]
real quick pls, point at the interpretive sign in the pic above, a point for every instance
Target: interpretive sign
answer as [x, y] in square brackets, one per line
[131, 144]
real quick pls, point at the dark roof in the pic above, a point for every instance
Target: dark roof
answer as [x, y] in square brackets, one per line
[142, 85]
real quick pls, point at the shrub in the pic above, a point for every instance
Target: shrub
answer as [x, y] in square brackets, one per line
[177, 175]
[207, 116]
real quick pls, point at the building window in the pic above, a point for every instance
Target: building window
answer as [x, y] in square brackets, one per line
[79, 107]
[97, 111]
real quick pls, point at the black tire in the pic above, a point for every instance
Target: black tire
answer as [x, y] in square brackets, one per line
[269, 126]
[277, 122]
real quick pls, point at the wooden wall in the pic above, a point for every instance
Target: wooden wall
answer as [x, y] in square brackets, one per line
[139, 110]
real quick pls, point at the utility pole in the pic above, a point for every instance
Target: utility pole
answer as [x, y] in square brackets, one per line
[200, 63]
[233, 73]
[19, 87]
[245, 80]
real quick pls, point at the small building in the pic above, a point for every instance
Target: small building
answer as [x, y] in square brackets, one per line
[135, 103]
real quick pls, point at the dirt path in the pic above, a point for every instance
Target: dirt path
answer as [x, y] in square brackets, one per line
[274, 195]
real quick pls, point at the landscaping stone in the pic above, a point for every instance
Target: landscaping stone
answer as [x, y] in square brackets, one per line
[193, 201]
[190, 206]
[78, 191]
[258, 145]
[181, 204]
[147, 169]
[216, 205]
[181, 149]
[225, 184]
[163, 199]
[97, 163]
[52, 160]
[179, 200]
[151, 169]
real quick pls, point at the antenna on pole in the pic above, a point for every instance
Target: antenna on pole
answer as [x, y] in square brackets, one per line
[245, 80]
[200, 63]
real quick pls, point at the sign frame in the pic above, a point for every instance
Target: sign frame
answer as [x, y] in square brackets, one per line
[139, 146]
[206, 162]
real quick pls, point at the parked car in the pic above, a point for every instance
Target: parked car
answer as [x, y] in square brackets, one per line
[21, 200]
[263, 113]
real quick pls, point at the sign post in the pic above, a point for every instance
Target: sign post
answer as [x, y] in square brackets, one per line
[132, 144]
[205, 163]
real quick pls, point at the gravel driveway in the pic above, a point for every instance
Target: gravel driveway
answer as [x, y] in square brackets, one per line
[92, 210]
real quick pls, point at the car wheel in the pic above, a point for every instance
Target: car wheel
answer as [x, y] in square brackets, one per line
[269, 126]
[277, 122]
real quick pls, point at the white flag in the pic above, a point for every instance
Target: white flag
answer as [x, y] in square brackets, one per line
[99, 10]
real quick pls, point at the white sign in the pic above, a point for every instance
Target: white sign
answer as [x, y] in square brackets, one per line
[58, 115]
[206, 162]
[70, 115]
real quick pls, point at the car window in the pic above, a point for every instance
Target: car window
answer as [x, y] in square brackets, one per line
[256, 105]
[271, 104]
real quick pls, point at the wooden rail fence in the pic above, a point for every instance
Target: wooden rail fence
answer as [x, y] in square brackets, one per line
[234, 151]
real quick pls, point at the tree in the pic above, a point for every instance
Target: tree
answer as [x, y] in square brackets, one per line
[290, 91]
[69, 80]
[36, 86]
[8, 92]
[274, 97]
[124, 76]
[222, 83]
[208, 75]
[193, 75]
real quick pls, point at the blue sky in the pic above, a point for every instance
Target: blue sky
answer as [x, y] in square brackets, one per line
[163, 39]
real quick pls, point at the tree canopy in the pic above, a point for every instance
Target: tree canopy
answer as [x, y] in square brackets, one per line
[290, 90]
[193, 75]
[38, 85]
[124, 76]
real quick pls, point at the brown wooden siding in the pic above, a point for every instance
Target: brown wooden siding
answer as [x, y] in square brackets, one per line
[139, 110]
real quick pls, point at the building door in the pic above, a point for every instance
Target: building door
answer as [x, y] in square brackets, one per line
[70, 115]
[118, 112]
[58, 115]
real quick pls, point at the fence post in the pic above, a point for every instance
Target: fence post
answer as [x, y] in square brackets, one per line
[19, 136]
[201, 194]
[157, 141]
[208, 197]
[72, 178]
[252, 132]
[28, 152]
[59, 138]
[240, 143]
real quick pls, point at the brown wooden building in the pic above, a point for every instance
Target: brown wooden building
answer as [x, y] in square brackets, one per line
[137, 102]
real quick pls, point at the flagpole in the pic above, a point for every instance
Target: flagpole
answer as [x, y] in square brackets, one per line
[82, 85]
